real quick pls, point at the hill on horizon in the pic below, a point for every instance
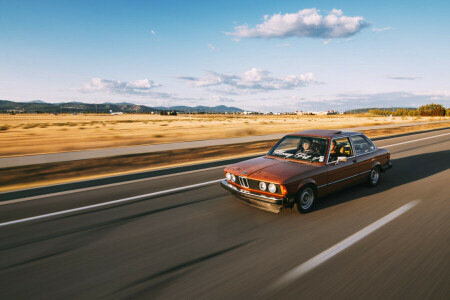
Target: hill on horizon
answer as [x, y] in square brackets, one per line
[39, 106]
[366, 110]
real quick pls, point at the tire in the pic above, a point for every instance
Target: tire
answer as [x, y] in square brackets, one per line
[374, 176]
[306, 199]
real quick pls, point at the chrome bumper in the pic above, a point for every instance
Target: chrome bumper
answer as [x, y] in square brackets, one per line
[272, 204]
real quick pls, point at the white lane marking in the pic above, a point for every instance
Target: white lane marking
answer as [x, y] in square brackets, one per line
[145, 179]
[307, 266]
[102, 186]
[426, 138]
[183, 188]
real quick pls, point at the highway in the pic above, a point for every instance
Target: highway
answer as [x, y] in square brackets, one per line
[160, 240]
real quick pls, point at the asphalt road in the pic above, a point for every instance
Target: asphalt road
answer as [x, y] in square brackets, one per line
[204, 244]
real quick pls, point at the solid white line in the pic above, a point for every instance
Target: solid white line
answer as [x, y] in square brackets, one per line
[183, 188]
[426, 138]
[307, 266]
[102, 186]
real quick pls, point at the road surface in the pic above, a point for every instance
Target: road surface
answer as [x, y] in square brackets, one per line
[387, 242]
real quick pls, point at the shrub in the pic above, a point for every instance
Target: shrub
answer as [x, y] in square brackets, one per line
[30, 125]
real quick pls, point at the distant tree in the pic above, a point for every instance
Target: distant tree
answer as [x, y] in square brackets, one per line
[432, 110]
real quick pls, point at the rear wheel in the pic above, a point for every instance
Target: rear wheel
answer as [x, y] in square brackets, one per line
[306, 199]
[374, 176]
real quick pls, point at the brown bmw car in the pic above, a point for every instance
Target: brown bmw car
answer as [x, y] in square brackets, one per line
[304, 166]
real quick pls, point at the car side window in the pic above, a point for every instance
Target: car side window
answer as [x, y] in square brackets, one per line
[362, 144]
[342, 148]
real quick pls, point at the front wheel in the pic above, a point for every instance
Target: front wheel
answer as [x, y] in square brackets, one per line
[374, 176]
[306, 199]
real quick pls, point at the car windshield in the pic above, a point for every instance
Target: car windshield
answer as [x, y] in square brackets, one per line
[302, 148]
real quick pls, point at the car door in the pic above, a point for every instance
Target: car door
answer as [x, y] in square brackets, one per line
[341, 174]
[363, 148]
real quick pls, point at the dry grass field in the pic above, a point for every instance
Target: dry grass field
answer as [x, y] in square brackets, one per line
[26, 134]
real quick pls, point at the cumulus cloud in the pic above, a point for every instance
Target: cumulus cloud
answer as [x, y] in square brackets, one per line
[381, 29]
[346, 101]
[403, 77]
[142, 87]
[253, 80]
[443, 95]
[220, 99]
[304, 23]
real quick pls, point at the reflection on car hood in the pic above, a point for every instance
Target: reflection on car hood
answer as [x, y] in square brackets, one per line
[269, 169]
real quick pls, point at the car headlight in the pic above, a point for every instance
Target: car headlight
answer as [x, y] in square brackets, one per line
[233, 178]
[262, 186]
[228, 176]
[272, 188]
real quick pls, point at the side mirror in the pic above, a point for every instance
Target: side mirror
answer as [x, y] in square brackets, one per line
[341, 158]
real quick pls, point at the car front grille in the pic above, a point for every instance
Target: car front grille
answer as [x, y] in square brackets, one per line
[243, 181]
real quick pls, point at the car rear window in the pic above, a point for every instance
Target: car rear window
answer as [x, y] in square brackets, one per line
[362, 144]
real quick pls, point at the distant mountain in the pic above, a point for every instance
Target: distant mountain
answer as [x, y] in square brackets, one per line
[204, 109]
[39, 106]
[120, 103]
[36, 101]
[71, 107]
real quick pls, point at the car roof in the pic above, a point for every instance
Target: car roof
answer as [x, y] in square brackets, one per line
[325, 133]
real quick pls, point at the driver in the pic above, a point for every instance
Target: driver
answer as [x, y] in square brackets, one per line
[306, 147]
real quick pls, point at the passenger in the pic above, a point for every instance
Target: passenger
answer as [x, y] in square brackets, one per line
[335, 151]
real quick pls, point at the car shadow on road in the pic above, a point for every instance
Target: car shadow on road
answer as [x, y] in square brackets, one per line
[404, 170]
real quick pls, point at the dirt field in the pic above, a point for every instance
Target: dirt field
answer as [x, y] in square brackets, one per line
[26, 134]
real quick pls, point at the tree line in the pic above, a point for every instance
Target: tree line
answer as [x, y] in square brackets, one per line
[425, 110]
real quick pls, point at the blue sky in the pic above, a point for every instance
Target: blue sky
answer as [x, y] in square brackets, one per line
[257, 55]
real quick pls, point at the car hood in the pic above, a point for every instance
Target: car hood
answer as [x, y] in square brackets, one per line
[269, 169]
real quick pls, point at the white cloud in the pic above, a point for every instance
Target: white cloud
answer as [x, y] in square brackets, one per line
[143, 86]
[252, 80]
[403, 77]
[390, 99]
[304, 23]
[443, 95]
[212, 47]
[153, 32]
[223, 99]
[381, 29]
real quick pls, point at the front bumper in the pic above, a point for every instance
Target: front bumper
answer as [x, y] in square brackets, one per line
[272, 204]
